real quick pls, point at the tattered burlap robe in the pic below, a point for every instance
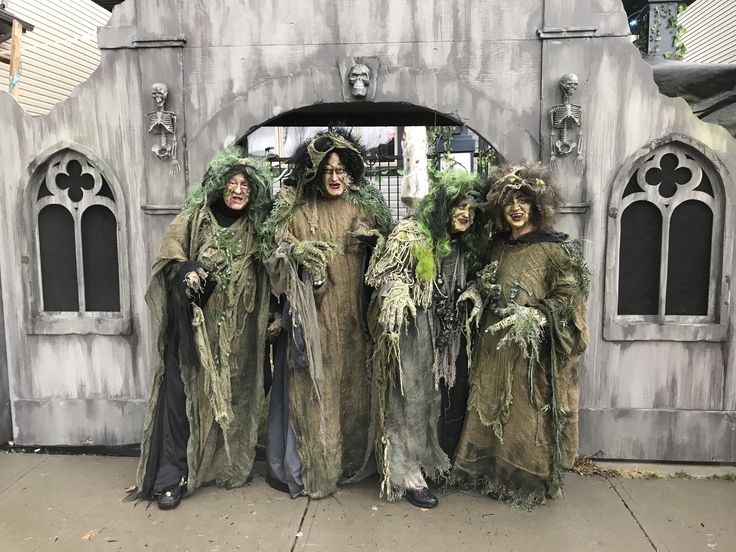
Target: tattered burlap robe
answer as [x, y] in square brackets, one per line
[508, 446]
[229, 386]
[330, 401]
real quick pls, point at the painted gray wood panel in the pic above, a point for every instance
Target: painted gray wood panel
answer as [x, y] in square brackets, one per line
[6, 420]
[231, 67]
[648, 434]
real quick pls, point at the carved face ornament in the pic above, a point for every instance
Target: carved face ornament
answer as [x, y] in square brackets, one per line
[360, 79]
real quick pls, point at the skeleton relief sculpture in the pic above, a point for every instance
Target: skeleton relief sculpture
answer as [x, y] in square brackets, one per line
[163, 124]
[359, 78]
[567, 121]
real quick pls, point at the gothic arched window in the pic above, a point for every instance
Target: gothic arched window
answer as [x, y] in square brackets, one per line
[79, 249]
[666, 256]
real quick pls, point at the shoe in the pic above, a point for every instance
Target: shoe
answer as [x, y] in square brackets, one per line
[170, 498]
[421, 498]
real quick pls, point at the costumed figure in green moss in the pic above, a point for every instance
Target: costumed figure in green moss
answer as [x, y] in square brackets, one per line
[521, 427]
[209, 298]
[421, 318]
[323, 229]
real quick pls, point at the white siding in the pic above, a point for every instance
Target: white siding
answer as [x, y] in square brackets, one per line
[60, 53]
[710, 35]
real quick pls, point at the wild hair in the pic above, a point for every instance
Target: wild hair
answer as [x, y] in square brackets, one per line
[221, 168]
[529, 180]
[434, 220]
[341, 141]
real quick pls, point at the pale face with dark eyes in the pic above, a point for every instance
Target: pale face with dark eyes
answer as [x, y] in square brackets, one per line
[335, 177]
[517, 213]
[237, 192]
[462, 215]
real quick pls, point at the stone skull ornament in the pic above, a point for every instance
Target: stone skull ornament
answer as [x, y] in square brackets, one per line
[359, 79]
[569, 84]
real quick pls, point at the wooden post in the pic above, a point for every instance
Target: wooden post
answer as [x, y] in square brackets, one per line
[415, 183]
[15, 55]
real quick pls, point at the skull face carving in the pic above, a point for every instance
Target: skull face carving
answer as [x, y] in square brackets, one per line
[569, 84]
[360, 79]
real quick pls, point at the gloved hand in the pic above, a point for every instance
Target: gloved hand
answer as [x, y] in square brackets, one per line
[274, 328]
[313, 256]
[472, 295]
[369, 236]
[397, 301]
[518, 316]
[195, 282]
[487, 281]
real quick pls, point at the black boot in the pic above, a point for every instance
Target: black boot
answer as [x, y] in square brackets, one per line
[421, 498]
[169, 499]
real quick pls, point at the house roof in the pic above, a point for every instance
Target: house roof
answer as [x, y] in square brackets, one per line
[108, 4]
[6, 24]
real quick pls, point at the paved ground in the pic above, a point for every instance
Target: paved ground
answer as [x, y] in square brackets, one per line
[70, 503]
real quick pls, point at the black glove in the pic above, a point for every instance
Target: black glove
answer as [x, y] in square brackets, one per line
[194, 282]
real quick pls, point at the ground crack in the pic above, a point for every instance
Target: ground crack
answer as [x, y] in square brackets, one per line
[631, 512]
[301, 524]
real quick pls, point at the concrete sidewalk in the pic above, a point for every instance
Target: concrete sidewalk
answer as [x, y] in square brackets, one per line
[70, 503]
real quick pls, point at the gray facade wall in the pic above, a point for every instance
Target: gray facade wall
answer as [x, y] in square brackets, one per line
[492, 65]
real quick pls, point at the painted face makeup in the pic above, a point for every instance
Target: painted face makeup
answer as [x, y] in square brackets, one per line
[335, 177]
[462, 215]
[516, 213]
[237, 192]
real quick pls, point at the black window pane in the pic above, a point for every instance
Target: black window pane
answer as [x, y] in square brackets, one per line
[633, 186]
[705, 186]
[105, 190]
[639, 259]
[688, 269]
[100, 260]
[58, 259]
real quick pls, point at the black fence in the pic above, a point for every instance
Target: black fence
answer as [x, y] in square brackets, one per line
[385, 171]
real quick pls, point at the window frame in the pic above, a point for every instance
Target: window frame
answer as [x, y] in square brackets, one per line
[81, 322]
[662, 327]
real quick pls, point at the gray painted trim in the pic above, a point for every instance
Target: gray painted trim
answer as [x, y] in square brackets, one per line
[574, 208]
[159, 42]
[161, 209]
[557, 33]
[714, 327]
[122, 38]
[6, 416]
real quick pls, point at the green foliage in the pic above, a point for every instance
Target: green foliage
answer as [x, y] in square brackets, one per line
[650, 34]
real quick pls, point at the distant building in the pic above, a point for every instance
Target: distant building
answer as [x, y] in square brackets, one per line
[710, 36]
[60, 53]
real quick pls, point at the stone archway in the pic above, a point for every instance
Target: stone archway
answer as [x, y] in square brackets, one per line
[419, 88]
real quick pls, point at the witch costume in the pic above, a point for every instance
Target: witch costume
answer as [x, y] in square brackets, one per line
[319, 425]
[209, 298]
[521, 427]
[421, 317]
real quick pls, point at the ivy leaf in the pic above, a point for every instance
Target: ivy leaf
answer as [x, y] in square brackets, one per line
[668, 54]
